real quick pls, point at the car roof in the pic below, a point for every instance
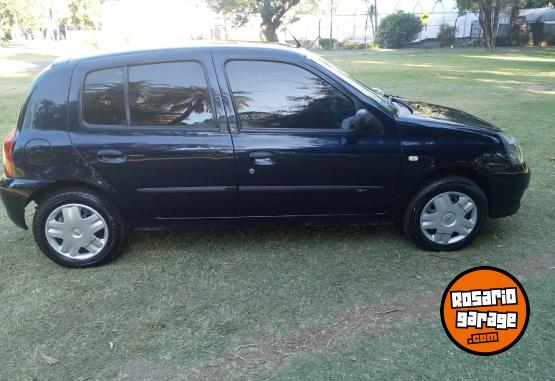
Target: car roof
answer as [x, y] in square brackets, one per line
[251, 48]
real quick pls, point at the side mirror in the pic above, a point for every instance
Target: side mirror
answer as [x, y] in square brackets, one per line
[365, 121]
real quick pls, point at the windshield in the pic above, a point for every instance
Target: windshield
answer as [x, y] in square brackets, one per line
[376, 96]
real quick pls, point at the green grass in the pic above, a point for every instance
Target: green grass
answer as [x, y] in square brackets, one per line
[297, 302]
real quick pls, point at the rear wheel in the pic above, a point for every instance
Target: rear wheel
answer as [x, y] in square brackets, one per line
[79, 228]
[446, 214]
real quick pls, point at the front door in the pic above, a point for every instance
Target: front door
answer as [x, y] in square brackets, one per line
[296, 151]
[151, 130]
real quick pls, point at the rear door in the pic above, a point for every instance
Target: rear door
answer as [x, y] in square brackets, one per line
[296, 152]
[150, 127]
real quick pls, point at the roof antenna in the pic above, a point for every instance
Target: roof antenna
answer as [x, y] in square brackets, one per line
[297, 42]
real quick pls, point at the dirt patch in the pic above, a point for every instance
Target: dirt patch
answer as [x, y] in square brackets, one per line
[352, 324]
[138, 369]
[535, 265]
[345, 328]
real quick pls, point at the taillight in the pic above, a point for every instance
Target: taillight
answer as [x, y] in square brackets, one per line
[9, 143]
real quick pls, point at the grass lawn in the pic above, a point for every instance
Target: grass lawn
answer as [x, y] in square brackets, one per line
[295, 302]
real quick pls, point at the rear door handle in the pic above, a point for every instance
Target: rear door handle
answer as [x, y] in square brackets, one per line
[111, 156]
[262, 158]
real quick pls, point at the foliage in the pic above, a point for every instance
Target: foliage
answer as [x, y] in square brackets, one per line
[468, 6]
[327, 43]
[18, 12]
[354, 45]
[372, 10]
[535, 3]
[473, 5]
[85, 13]
[398, 29]
[446, 35]
[11, 11]
[550, 41]
[489, 12]
[272, 12]
[32, 14]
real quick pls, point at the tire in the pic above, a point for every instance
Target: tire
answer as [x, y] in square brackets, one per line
[435, 219]
[74, 216]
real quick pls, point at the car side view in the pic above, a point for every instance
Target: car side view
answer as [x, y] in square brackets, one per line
[218, 134]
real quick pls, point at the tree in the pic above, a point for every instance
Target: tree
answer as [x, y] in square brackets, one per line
[332, 12]
[85, 13]
[23, 13]
[398, 29]
[31, 14]
[372, 10]
[489, 12]
[272, 12]
[11, 11]
[446, 35]
[514, 8]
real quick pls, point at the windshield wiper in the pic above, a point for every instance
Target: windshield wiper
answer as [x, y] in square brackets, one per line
[401, 101]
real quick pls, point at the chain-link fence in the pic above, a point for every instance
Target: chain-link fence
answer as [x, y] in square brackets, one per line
[359, 27]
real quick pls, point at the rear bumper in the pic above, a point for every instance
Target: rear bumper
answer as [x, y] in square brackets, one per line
[507, 187]
[15, 194]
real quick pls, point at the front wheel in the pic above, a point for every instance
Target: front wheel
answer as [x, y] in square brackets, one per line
[446, 214]
[79, 228]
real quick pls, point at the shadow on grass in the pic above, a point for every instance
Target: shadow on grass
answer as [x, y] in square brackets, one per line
[382, 241]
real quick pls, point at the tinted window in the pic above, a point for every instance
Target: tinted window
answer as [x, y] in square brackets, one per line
[279, 95]
[103, 97]
[169, 94]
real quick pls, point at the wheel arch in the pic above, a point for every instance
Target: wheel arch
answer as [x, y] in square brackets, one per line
[110, 194]
[39, 195]
[470, 173]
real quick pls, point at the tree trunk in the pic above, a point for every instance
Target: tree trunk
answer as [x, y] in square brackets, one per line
[513, 23]
[375, 16]
[269, 31]
[331, 24]
[489, 20]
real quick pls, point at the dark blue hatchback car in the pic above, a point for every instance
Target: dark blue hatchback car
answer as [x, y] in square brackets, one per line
[224, 133]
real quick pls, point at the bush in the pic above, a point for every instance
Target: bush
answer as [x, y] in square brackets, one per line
[326, 43]
[549, 41]
[398, 29]
[446, 35]
[350, 44]
[353, 44]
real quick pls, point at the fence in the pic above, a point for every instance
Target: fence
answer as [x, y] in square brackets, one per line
[358, 26]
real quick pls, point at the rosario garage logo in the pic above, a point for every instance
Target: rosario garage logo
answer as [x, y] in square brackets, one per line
[485, 310]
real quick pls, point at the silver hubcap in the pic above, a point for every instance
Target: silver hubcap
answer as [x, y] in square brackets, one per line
[76, 231]
[448, 218]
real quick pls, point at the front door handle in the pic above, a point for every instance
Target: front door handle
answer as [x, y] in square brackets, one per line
[111, 156]
[262, 158]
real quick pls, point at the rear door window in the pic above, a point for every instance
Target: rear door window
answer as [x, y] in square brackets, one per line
[170, 94]
[103, 97]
